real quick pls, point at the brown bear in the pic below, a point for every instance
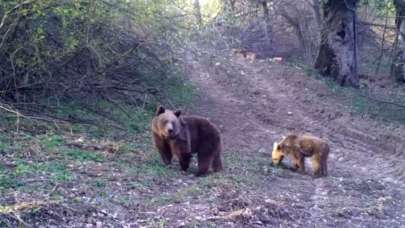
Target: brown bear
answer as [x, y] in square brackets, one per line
[181, 136]
[298, 147]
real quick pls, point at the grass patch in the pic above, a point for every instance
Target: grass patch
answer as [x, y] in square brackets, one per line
[180, 92]
[7, 179]
[82, 155]
[362, 102]
[14, 178]
[56, 170]
[4, 143]
[151, 168]
[59, 172]
[51, 142]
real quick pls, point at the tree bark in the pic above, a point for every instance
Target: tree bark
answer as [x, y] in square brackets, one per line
[398, 65]
[197, 13]
[229, 5]
[316, 6]
[267, 24]
[337, 54]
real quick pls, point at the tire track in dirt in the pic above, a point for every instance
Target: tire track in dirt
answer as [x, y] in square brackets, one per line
[256, 104]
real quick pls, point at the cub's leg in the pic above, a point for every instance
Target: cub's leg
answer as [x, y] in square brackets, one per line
[324, 165]
[317, 165]
[299, 163]
[163, 148]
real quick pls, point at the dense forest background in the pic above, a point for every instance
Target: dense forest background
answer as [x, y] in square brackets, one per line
[72, 53]
[80, 80]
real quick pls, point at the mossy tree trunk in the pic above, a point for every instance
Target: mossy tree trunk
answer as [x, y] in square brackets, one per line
[398, 65]
[267, 24]
[197, 13]
[337, 53]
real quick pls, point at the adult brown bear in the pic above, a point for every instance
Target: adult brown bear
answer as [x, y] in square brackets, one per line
[183, 135]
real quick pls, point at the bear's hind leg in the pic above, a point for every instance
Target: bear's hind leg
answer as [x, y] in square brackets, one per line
[217, 163]
[185, 161]
[324, 165]
[204, 162]
[317, 165]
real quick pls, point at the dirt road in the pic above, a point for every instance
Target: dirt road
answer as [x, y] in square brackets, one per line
[256, 103]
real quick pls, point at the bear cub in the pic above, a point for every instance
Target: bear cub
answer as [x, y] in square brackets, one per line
[180, 136]
[298, 147]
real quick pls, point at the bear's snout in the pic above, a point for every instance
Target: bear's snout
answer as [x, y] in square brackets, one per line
[172, 132]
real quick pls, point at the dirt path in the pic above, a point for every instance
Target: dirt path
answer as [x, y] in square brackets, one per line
[256, 103]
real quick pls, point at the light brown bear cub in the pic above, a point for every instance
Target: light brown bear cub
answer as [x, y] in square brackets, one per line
[298, 147]
[181, 136]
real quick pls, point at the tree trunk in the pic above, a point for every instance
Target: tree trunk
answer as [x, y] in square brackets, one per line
[197, 13]
[398, 65]
[267, 24]
[229, 5]
[337, 54]
[316, 6]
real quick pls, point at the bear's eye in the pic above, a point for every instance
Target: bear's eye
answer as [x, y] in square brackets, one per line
[173, 124]
[163, 123]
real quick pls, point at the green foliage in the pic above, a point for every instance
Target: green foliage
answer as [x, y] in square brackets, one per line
[381, 6]
[73, 54]
[7, 180]
[82, 155]
[51, 142]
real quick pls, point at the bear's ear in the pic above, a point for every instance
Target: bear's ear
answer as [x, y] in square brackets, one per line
[160, 109]
[177, 113]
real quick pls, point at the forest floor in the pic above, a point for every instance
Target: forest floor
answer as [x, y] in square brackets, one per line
[124, 184]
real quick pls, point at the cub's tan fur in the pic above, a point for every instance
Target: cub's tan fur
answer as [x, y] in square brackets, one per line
[244, 54]
[298, 147]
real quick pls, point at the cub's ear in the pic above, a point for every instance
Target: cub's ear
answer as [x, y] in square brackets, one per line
[292, 137]
[177, 113]
[276, 146]
[160, 109]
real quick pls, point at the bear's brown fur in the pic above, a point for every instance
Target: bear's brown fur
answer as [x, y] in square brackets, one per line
[181, 136]
[297, 147]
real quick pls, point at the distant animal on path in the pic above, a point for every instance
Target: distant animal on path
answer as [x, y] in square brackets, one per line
[298, 147]
[181, 136]
[244, 54]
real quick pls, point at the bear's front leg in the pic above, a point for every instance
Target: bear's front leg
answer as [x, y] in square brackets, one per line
[164, 149]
